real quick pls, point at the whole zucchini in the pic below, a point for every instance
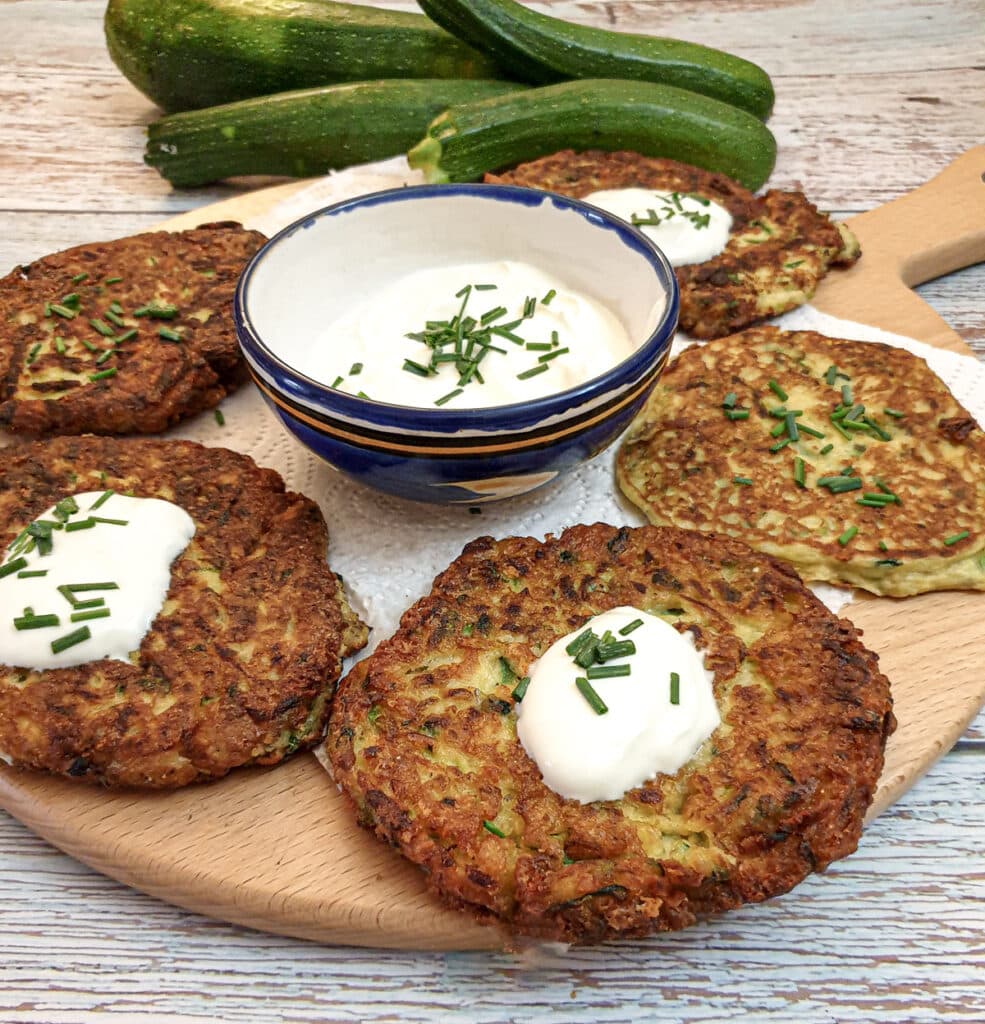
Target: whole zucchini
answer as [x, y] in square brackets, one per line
[186, 54]
[464, 142]
[538, 48]
[306, 131]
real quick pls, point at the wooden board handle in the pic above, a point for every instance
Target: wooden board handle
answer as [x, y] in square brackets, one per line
[934, 230]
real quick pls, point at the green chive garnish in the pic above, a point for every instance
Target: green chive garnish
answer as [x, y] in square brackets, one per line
[615, 649]
[538, 346]
[33, 354]
[485, 287]
[447, 398]
[79, 278]
[798, 472]
[869, 503]
[553, 355]
[847, 536]
[114, 318]
[675, 688]
[102, 327]
[36, 622]
[737, 414]
[115, 307]
[830, 374]
[780, 445]
[63, 311]
[520, 690]
[630, 627]
[166, 334]
[355, 369]
[955, 537]
[106, 355]
[126, 336]
[96, 613]
[25, 574]
[778, 430]
[586, 689]
[883, 546]
[846, 394]
[101, 500]
[744, 480]
[546, 300]
[533, 371]
[490, 827]
[59, 345]
[103, 374]
[337, 381]
[412, 367]
[70, 640]
[113, 280]
[777, 390]
[111, 522]
[11, 567]
[81, 588]
[580, 642]
[96, 602]
[804, 429]
[65, 508]
[80, 524]
[827, 448]
[884, 497]
[608, 671]
[894, 413]
[728, 402]
[790, 420]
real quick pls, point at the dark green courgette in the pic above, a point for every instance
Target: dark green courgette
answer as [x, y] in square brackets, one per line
[464, 142]
[187, 54]
[306, 131]
[537, 48]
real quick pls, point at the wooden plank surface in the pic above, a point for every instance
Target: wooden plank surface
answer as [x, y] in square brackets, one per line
[873, 99]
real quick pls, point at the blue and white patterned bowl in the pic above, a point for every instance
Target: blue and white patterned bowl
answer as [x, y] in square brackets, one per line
[313, 271]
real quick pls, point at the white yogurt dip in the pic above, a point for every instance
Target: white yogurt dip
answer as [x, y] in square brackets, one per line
[651, 724]
[689, 229]
[121, 564]
[544, 338]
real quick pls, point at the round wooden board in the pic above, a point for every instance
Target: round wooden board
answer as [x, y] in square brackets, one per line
[279, 850]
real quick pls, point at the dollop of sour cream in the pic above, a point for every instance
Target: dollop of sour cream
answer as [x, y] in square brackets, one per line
[588, 756]
[121, 565]
[689, 229]
[556, 338]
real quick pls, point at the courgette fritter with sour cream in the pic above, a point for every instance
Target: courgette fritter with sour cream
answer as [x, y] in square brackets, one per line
[779, 245]
[240, 663]
[851, 460]
[123, 337]
[423, 736]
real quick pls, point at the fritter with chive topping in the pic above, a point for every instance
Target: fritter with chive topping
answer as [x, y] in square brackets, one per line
[239, 665]
[851, 460]
[423, 736]
[778, 250]
[123, 337]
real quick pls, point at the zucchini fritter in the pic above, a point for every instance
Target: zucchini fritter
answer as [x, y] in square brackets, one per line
[892, 497]
[779, 247]
[123, 337]
[240, 664]
[423, 738]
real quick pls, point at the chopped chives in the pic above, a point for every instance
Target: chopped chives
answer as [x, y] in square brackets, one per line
[111, 522]
[156, 312]
[113, 280]
[830, 374]
[520, 690]
[102, 327]
[485, 287]
[728, 402]
[103, 374]
[746, 481]
[114, 318]
[586, 689]
[778, 430]
[883, 546]
[95, 613]
[63, 311]
[608, 671]
[553, 355]
[96, 602]
[115, 307]
[79, 278]
[675, 688]
[546, 300]
[955, 537]
[876, 429]
[780, 445]
[737, 414]
[804, 429]
[355, 369]
[70, 640]
[492, 314]
[66, 507]
[615, 649]
[59, 345]
[538, 346]
[533, 371]
[505, 332]
[581, 641]
[490, 827]
[166, 334]
[81, 588]
[847, 536]
[126, 336]
[89, 345]
[80, 524]
[337, 381]
[33, 354]
[869, 503]
[882, 496]
[555, 339]
[895, 413]
[101, 500]
[413, 367]
[36, 621]
[12, 567]
[777, 390]
[529, 307]
[790, 421]
[798, 472]
[846, 394]
[854, 424]
[630, 627]
[104, 356]
[25, 574]
[447, 398]
[827, 448]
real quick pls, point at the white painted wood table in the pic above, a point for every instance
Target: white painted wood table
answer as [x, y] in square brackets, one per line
[872, 99]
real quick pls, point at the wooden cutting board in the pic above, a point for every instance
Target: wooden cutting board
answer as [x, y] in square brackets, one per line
[278, 849]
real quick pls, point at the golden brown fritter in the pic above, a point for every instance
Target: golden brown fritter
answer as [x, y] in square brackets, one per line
[780, 246]
[240, 664]
[684, 460]
[149, 317]
[423, 737]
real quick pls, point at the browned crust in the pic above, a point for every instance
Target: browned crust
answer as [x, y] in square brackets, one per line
[157, 383]
[681, 456]
[780, 245]
[422, 737]
[239, 666]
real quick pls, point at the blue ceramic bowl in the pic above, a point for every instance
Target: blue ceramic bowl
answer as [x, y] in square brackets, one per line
[316, 269]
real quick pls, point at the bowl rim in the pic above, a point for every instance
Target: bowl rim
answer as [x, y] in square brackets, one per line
[321, 396]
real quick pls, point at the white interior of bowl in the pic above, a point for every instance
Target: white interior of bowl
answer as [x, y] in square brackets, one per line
[317, 273]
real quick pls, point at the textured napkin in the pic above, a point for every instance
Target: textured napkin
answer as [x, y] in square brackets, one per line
[388, 550]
